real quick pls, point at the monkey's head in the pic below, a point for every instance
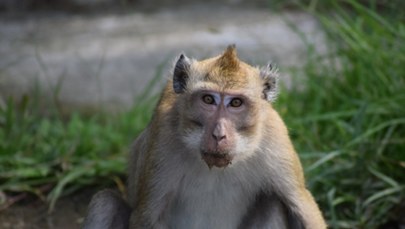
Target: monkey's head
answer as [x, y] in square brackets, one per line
[221, 101]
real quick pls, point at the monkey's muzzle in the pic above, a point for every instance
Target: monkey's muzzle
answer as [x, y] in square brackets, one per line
[219, 160]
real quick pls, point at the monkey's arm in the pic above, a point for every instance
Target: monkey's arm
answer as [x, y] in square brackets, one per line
[149, 190]
[107, 210]
[285, 177]
[289, 186]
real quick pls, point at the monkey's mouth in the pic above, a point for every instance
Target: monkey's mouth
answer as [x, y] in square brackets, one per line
[217, 159]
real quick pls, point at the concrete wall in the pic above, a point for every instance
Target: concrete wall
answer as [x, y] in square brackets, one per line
[105, 60]
[72, 5]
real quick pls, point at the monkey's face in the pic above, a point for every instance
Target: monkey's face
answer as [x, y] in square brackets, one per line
[220, 126]
[221, 101]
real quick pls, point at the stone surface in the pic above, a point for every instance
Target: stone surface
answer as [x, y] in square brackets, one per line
[105, 60]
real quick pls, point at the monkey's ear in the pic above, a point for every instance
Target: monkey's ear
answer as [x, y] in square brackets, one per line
[269, 76]
[181, 74]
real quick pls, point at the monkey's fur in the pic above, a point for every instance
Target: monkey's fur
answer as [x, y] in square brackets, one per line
[215, 155]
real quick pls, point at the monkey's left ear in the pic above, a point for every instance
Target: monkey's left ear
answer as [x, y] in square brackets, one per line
[181, 74]
[269, 76]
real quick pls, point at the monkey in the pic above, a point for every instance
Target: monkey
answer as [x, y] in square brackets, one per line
[107, 209]
[216, 154]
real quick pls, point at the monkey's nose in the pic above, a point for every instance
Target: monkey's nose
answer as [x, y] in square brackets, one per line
[219, 137]
[219, 132]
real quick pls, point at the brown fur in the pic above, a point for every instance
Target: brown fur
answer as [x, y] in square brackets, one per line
[254, 178]
[227, 74]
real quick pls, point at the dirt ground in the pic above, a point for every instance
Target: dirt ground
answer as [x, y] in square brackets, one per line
[70, 211]
[68, 214]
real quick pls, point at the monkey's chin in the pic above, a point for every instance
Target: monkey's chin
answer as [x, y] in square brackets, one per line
[220, 160]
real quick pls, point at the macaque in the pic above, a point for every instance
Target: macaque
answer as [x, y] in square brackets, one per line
[215, 155]
[107, 210]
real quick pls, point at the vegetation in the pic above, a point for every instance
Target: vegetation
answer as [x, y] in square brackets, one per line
[39, 154]
[345, 112]
[50, 155]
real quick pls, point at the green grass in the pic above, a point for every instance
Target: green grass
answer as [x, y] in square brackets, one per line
[50, 154]
[346, 114]
[61, 155]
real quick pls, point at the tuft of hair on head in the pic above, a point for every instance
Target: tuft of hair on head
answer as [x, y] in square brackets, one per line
[229, 60]
[269, 75]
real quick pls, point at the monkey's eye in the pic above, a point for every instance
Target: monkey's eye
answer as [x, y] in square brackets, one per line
[208, 99]
[196, 123]
[236, 102]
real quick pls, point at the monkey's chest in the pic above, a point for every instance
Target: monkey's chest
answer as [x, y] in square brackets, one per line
[209, 202]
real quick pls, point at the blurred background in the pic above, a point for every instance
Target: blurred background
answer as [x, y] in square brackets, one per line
[102, 53]
[79, 80]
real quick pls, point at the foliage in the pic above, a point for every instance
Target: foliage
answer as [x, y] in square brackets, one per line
[51, 155]
[72, 153]
[351, 127]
